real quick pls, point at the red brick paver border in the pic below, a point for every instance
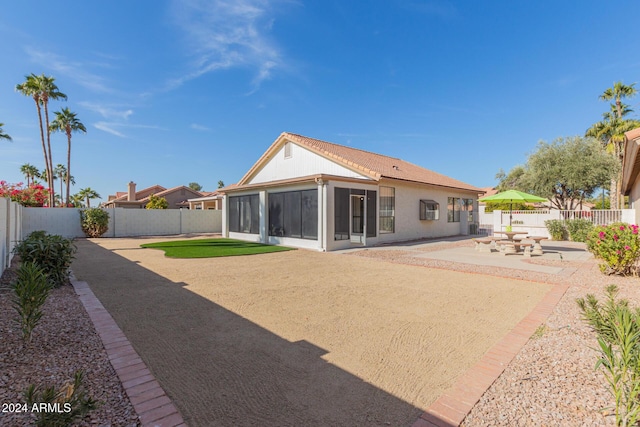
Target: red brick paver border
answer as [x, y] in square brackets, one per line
[452, 407]
[149, 400]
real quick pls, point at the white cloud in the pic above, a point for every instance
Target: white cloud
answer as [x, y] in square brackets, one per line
[228, 33]
[112, 127]
[72, 69]
[196, 126]
[107, 111]
[109, 128]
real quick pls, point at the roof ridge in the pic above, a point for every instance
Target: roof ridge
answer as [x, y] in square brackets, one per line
[343, 146]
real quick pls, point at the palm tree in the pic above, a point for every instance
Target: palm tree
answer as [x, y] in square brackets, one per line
[67, 122]
[77, 200]
[42, 89]
[618, 92]
[45, 176]
[220, 184]
[611, 131]
[60, 172]
[30, 172]
[88, 194]
[4, 135]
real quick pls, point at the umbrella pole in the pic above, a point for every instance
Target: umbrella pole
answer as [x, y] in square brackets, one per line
[510, 213]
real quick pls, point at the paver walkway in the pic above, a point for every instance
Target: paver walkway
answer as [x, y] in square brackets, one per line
[148, 398]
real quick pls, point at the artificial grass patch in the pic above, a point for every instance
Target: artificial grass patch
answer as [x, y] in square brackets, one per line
[209, 248]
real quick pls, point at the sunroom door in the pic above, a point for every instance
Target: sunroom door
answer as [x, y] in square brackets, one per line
[358, 218]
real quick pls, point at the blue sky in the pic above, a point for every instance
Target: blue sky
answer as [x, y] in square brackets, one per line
[173, 92]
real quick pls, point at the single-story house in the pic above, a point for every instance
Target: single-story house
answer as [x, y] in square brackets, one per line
[176, 197]
[209, 200]
[630, 185]
[308, 193]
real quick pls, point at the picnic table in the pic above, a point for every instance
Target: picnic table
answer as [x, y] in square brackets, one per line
[512, 244]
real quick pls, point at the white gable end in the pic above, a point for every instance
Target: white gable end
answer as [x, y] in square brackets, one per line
[299, 162]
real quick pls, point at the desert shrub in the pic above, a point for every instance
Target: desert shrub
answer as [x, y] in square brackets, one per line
[52, 253]
[579, 229]
[94, 222]
[617, 245]
[157, 202]
[557, 229]
[70, 400]
[618, 333]
[31, 290]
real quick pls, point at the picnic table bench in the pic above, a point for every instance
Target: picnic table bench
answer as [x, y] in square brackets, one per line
[483, 244]
[511, 247]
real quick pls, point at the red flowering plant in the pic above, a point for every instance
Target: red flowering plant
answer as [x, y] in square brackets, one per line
[617, 245]
[35, 195]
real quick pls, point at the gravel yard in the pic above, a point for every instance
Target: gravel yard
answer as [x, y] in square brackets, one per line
[552, 381]
[64, 342]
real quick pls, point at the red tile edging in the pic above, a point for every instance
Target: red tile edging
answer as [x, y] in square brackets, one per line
[151, 403]
[454, 405]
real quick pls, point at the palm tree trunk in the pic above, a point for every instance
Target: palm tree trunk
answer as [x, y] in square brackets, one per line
[68, 166]
[44, 149]
[613, 193]
[46, 116]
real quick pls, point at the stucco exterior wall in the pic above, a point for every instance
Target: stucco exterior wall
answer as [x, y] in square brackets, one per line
[301, 163]
[124, 222]
[634, 199]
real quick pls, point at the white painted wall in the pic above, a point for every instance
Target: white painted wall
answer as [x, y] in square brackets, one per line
[301, 163]
[125, 222]
[10, 230]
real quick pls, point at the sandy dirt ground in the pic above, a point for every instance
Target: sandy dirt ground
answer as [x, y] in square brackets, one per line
[300, 337]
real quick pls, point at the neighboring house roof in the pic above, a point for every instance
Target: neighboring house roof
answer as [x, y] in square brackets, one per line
[375, 166]
[143, 196]
[631, 160]
[207, 195]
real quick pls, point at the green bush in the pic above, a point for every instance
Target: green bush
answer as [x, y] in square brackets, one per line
[52, 253]
[94, 222]
[617, 245]
[557, 229]
[618, 333]
[31, 290]
[157, 202]
[72, 400]
[579, 229]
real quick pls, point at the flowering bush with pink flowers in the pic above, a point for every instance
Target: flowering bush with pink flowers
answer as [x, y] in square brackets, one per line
[617, 245]
[34, 195]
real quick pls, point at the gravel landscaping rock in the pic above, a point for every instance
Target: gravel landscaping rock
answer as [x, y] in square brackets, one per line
[552, 380]
[65, 341]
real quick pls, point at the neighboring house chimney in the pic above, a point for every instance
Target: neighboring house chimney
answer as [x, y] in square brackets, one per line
[131, 193]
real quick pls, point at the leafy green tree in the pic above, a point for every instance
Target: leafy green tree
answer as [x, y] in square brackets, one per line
[30, 173]
[220, 184]
[568, 170]
[610, 131]
[511, 181]
[195, 186]
[42, 89]
[4, 135]
[88, 194]
[156, 202]
[67, 122]
[77, 200]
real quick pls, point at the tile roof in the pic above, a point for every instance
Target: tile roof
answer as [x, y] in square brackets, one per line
[376, 166]
[632, 134]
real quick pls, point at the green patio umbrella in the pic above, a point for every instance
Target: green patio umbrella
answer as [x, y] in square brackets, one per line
[511, 196]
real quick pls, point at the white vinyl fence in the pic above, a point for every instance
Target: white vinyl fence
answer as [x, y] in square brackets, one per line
[125, 222]
[10, 230]
[532, 221]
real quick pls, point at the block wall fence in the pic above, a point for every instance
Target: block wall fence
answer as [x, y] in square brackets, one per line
[16, 222]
